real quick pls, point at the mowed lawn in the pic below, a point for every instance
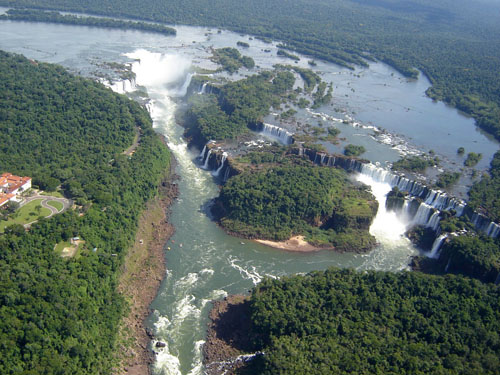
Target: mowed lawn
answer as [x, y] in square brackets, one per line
[57, 205]
[56, 194]
[26, 214]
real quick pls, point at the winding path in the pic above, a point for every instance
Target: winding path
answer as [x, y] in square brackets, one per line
[67, 203]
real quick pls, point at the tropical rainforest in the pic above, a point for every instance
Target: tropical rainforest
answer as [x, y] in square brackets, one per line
[454, 43]
[347, 322]
[278, 202]
[60, 315]
[55, 17]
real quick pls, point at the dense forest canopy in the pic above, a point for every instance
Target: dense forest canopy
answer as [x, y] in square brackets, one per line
[455, 43]
[346, 322]
[485, 195]
[278, 202]
[58, 315]
[55, 17]
[236, 106]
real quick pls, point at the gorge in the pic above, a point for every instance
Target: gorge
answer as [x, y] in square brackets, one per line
[204, 263]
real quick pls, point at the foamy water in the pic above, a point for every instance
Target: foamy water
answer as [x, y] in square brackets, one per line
[204, 268]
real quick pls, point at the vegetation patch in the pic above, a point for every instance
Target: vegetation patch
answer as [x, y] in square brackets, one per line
[236, 107]
[279, 202]
[353, 150]
[345, 322]
[413, 164]
[56, 194]
[57, 205]
[231, 59]
[472, 159]
[446, 179]
[28, 213]
[56, 17]
[485, 195]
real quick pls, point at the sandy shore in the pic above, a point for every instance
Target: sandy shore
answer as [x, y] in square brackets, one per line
[296, 243]
[143, 272]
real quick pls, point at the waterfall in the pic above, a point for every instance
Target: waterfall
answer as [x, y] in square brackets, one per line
[493, 230]
[223, 160]
[432, 200]
[423, 214]
[121, 87]
[281, 134]
[182, 91]
[436, 246]
[447, 265]
[202, 153]
[207, 159]
[434, 221]
[203, 88]
[387, 227]
[226, 174]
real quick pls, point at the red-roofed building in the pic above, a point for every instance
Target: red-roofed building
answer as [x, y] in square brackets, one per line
[11, 186]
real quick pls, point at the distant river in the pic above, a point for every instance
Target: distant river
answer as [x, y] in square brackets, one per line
[204, 263]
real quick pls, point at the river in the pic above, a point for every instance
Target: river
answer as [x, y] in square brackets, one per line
[204, 263]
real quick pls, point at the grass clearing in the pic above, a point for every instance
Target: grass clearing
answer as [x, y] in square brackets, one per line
[61, 245]
[57, 205]
[68, 249]
[56, 194]
[28, 213]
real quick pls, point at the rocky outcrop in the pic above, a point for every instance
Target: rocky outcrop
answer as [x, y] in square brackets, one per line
[227, 336]
[215, 159]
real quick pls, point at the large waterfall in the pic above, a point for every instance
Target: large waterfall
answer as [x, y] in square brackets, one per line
[275, 132]
[424, 204]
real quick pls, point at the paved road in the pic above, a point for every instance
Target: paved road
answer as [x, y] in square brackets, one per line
[67, 203]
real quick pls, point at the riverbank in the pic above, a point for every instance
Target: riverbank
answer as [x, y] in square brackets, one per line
[227, 339]
[296, 243]
[143, 272]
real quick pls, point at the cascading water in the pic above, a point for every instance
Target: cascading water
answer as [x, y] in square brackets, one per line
[431, 200]
[436, 246]
[207, 159]
[202, 153]
[223, 160]
[275, 132]
[387, 227]
[204, 263]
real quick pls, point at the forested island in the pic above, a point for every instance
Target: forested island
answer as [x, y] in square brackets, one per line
[61, 315]
[283, 200]
[67, 19]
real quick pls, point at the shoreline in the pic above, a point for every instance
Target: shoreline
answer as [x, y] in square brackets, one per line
[294, 244]
[143, 272]
[227, 335]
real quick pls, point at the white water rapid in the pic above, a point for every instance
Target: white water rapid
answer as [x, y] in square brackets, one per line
[204, 263]
[387, 227]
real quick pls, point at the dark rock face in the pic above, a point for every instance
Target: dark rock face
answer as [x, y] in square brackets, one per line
[227, 336]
